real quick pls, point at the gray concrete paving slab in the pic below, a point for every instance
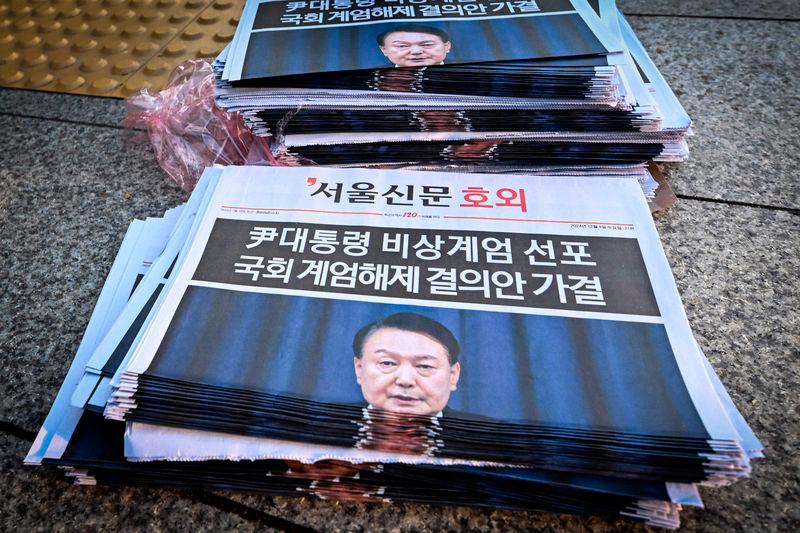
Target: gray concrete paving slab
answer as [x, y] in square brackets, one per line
[783, 9]
[735, 268]
[324, 515]
[68, 195]
[737, 80]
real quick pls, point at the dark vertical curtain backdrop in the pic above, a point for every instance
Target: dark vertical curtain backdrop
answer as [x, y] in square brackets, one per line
[542, 369]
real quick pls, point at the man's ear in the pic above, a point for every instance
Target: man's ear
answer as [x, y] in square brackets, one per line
[383, 50]
[357, 365]
[447, 47]
[455, 373]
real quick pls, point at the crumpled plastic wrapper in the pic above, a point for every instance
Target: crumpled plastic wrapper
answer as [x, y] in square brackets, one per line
[186, 129]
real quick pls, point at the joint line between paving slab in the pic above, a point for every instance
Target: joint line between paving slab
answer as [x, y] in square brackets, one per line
[16, 431]
[715, 17]
[64, 120]
[245, 511]
[157, 54]
[45, 92]
[790, 210]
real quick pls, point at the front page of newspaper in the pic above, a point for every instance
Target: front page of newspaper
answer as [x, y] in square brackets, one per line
[279, 38]
[555, 288]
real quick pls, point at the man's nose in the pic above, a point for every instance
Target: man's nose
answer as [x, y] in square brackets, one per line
[416, 49]
[405, 376]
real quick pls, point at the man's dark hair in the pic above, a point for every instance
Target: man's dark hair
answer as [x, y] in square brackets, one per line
[414, 323]
[415, 28]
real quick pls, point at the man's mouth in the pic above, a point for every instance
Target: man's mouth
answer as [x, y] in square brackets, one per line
[403, 398]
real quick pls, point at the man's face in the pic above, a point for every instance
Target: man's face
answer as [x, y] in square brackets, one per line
[405, 372]
[413, 49]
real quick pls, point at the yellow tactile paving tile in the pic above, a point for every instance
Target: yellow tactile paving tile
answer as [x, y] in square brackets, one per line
[206, 36]
[98, 47]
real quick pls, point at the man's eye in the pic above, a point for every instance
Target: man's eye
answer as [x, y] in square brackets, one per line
[387, 364]
[425, 367]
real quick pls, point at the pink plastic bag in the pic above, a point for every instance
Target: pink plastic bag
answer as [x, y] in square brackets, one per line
[188, 131]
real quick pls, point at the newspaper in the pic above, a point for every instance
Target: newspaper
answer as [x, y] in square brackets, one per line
[280, 38]
[567, 250]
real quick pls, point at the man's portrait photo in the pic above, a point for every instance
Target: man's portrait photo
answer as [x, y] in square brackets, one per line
[407, 364]
[414, 45]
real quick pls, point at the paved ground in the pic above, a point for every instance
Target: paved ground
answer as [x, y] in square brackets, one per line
[68, 190]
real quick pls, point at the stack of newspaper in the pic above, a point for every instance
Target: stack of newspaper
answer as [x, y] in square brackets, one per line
[483, 85]
[380, 335]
